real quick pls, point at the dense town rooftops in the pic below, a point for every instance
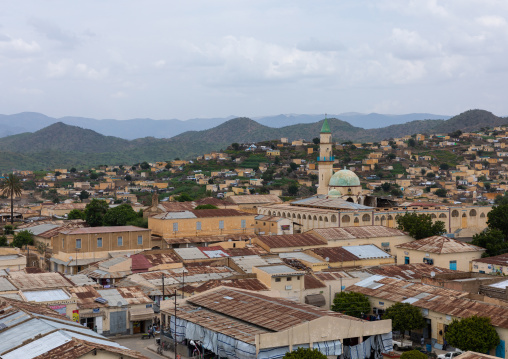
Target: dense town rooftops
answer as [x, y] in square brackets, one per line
[501, 260]
[200, 213]
[25, 281]
[438, 299]
[440, 245]
[350, 253]
[412, 271]
[325, 202]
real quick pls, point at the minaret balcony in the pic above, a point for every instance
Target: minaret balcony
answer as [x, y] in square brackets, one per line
[326, 159]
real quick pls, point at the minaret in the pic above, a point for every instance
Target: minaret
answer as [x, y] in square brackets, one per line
[325, 159]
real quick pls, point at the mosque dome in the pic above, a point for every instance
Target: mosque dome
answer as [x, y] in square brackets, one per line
[344, 178]
[334, 193]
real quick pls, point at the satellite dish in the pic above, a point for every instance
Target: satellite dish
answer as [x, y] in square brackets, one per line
[327, 259]
[119, 304]
[432, 274]
[70, 258]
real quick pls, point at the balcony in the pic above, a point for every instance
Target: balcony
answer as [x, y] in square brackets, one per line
[326, 159]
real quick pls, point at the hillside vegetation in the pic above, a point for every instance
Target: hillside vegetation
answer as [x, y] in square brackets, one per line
[61, 145]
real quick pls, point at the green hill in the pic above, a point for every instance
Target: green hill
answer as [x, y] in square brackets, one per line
[61, 145]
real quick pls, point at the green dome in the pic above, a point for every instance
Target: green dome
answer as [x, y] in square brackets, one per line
[334, 193]
[344, 178]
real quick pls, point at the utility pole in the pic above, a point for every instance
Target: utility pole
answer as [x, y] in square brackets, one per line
[183, 284]
[175, 325]
[160, 305]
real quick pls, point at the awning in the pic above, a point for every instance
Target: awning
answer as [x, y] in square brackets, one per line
[137, 314]
[317, 300]
[92, 314]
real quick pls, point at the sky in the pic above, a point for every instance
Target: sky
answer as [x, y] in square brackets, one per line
[169, 59]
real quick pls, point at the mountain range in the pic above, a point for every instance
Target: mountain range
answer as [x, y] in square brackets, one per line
[145, 127]
[63, 145]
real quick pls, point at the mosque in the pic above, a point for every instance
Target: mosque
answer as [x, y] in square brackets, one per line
[341, 202]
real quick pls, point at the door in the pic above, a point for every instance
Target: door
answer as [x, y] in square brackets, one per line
[118, 322]
[406, 260]
[98, 324]
[440, 333]
[453, 265]
[500, 349]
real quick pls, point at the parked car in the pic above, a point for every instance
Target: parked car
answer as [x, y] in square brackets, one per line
[403, 344]
[449, 355]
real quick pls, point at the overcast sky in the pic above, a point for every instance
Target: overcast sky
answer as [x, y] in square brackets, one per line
[186, 59]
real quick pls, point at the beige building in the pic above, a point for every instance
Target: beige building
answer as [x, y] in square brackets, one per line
[491, 265]
[267, 225]
[440, 251]
[203, 222]
[11, 259]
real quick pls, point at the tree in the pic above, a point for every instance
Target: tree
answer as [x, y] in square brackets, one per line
[76, 214]
[144, 165]
[498, 218]
[293, 189]
[405, 317]
[420, 226]
[501, 199]
[10, 187]
[304, 353]
[119, 215]
[475, 334]
[444, 166]
[73, 170]
[386, 186]
[391, 156]
[441, 192]
[23, 238]
[316, 140]
[351, 303]
[276, 160]
[3, 241]
[206, 206]
[492, 239]
[411, 142]
[184, 197]
[83, 195]
[128, 178]
[95, 211]
[94, 176]
[413, 354]
[293, 166]
[235, 146]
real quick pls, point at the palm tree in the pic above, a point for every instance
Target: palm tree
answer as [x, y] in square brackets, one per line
[9, 187]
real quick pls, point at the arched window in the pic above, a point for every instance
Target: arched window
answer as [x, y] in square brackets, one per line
[383, 218]
[357, 220]
[390, 217]
[376, 219]
[464, 215]
[315, 218]
[350, 200]
[346, 219]
[482, 215]
[366, 218]
[432, 215]
[299, 216]
[304, 216]
[320, 219]
[442, 215]
[472, 213]
[455, 213]
[326, 219]
[334, 218]
[294, 215]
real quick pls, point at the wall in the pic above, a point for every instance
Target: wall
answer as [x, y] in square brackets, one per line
[440, 260]
[209, 226]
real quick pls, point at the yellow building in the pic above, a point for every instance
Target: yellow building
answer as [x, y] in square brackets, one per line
[439, 251]
[203, 222]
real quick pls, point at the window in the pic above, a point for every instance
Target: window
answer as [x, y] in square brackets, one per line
[78, 243]
[221, 224]
[140, 240]
[63, 242]
[175, 227]
[244, 223]
[277, 279]
[120, 241]
[453, 265]
[99, 242]
[289, 279]
[198, 226]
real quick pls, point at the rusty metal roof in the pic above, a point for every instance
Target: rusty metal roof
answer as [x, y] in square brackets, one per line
[86, 297]
[134, 295]
[26, 281]
[93, 230]
[408, 271]
[311, 282]
[244, 283]
[501, 260]
[209, 239]
[336, 233]
[335, 254]
[293, 240]
[273, 314]
[475, 355]
[440, 244]
[438, 299]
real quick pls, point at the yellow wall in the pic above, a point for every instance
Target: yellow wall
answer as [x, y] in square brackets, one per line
[440, 260]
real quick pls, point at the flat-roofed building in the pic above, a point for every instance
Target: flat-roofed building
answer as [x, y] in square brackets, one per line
[352, 256]
[491, 265]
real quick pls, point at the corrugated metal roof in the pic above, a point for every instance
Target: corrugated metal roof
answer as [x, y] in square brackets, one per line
[300, 256]
[280, 269]
[311, 282]
[345, 233]
[293, 240]
[440, 244]
[259, 198]
[334, 254]
[246, 263]
[413, 271]
[113, 297]
[367, 251]
[45, 295]
[213, 252]
[322, 201]
[112, 262]
[26, 281]
[80, 279]
[501, 260]
[38, 229]
[5, 285]
[9, 257]
[175, 215]
[190, 253]
[93, 230]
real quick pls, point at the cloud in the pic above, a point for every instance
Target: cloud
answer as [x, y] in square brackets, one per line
[491, 21]
[159, 63]
[10, 47]
[313, 44]
[119, 94]
[66, 39]
[410, 45]
[66, 67]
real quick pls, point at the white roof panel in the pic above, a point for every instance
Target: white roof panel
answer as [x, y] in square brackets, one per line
[45, 295]
[367, 251]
